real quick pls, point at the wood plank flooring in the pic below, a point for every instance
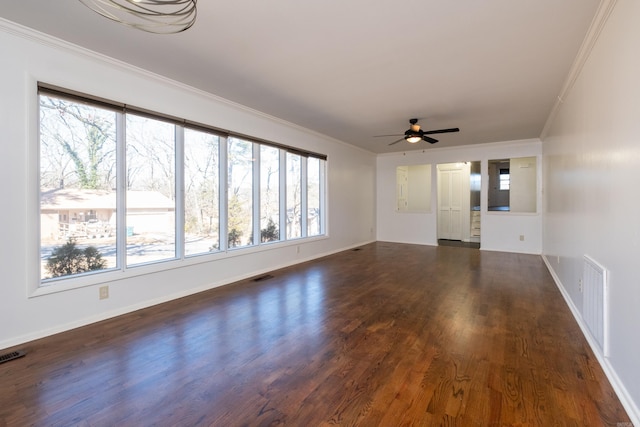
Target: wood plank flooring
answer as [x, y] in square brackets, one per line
[388, 335]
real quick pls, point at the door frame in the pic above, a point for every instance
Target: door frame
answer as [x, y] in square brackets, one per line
[465, 197]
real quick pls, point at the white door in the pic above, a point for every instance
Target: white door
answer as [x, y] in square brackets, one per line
[450, 202]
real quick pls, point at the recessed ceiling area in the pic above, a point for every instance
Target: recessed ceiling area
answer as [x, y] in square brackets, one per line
[352, 70]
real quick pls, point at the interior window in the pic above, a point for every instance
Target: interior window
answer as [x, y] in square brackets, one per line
[512, 185]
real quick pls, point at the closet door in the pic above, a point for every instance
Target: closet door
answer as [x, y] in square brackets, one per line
[450, 196]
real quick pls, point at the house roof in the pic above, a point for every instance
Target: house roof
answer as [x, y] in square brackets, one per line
[84, 199]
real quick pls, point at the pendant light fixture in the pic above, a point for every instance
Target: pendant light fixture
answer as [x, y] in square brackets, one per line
[153, 16]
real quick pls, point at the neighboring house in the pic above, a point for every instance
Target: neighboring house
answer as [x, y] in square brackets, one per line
[67, 212]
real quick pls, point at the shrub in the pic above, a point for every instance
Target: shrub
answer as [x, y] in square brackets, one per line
[70, 259]
[234, 237]
[270, 233]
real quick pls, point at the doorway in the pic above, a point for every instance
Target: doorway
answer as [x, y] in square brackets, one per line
[458, 212]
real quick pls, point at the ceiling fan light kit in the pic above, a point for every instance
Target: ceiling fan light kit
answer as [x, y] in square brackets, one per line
[152, 16]
[414, 134]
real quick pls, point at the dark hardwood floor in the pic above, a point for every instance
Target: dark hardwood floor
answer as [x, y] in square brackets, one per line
[388, 335]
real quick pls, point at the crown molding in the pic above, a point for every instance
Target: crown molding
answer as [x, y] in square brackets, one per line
[52, 42]
[597, 25]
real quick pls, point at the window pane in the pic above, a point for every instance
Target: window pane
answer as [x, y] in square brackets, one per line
[77, 181]
[201, 192]
[294, 214]
[269, 194]
[313, 196]
[150, 190]
[240, 192]
[504, 181]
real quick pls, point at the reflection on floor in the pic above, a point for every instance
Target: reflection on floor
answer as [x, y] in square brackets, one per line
[458, 243]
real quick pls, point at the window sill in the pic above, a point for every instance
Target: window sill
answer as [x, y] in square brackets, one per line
[114, 275]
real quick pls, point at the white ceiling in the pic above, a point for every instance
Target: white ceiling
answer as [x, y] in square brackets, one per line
[358, 68]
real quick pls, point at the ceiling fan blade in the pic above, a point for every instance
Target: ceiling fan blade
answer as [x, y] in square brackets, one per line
[431, 132]
[395, 134]
[429, 140]
[395, 142]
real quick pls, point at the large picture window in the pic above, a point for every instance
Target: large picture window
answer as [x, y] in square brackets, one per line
[78, 172]
[269, 194]
[151, 194]
[294, 196]
[315, 174]
[121, 187]
[201, 192]
[240, 192]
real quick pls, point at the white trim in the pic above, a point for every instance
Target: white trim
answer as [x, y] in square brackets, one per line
[56, 43]
[256, 194]
[178, 182]
[597, 24]
[17, 341]
[121, 193]
[304, 203]
[282, 195]
[102, 277]
[510, 251]
[31, 186]
[223, 192]
[486, 145]
[618, 386]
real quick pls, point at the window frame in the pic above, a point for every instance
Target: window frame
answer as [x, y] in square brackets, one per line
[320, 199]
[181, 177]
[504, 179]
[279, 189]
[42, 286]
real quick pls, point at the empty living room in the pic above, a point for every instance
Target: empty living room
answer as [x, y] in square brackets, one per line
[413, 213]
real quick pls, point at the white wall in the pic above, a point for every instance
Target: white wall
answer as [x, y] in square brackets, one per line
[500, 231]
[419, 194]
[592, 171]
[29, 57]
[523, 176]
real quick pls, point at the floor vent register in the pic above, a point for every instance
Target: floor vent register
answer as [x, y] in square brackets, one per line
[11, 356]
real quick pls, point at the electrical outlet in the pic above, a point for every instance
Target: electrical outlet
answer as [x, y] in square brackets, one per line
[580, 285]
[522, 237]
[104, 292]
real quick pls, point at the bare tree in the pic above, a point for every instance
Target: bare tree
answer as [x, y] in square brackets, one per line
[201, 182]
[240, 187]
[150, 155]
[77, 145]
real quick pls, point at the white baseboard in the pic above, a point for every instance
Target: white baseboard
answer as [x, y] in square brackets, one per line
[23, 339]
[618, 386]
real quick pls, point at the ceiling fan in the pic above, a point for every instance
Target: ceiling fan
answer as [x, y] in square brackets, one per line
[415, 134]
